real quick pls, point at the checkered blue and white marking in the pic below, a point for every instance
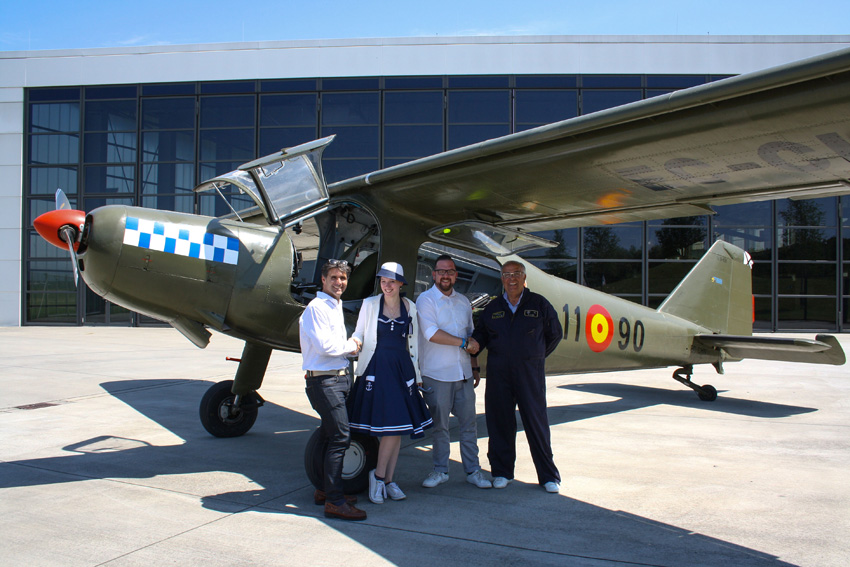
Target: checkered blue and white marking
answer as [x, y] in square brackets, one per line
[183, 240]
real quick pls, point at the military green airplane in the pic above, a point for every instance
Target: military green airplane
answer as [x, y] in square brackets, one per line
[779, 133]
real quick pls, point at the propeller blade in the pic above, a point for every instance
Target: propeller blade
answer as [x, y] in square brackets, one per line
[68, 234]
[62, 202]
[61, 227]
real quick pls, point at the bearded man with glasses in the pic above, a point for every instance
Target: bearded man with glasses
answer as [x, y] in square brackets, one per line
[449, 373]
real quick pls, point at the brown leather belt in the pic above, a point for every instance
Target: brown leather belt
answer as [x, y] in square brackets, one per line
[315, 373]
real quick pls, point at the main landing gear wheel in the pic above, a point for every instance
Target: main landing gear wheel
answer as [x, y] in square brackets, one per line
[706, 392]
[360, 458]
[224, 414]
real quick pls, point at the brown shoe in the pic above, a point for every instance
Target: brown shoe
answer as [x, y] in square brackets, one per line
[319, 498]
[344, 512]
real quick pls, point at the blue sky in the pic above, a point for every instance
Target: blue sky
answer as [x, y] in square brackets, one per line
[38, 25]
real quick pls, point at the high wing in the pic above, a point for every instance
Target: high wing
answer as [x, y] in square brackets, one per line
[782, 132]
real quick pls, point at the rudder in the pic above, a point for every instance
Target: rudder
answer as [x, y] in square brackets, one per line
[717, 292]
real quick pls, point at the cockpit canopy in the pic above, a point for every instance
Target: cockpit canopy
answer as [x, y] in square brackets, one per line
[283, 185]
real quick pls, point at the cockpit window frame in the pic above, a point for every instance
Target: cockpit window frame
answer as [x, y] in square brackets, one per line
[303, 176]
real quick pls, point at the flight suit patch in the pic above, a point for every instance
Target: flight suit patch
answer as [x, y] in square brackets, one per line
[498, 315]
[531, 313]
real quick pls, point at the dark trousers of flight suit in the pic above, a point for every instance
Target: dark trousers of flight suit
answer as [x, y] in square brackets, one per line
[504, 393]
[517, 345]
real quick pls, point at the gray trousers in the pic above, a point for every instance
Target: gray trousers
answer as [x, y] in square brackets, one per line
[456, 398]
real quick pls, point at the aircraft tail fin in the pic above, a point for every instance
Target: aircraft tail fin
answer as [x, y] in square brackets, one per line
[717, 292]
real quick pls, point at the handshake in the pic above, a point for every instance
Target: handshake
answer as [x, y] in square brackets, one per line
[471, 346]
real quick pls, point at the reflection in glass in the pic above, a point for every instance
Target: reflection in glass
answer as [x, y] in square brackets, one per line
[763, 311]
[40, 248]
[535, 108]
[806, 279]
[809, 212]
[46, 180]
[564, 269]
[110, 115]
[662, 277]
[45, 307]
[55, 117]
[55, 148]
[806, 243]
[174, 145]
[744, 214]
[567, 239]
[762, 278]
[757, 241]
[807, 313]
[422, 107]
[593, 101]
[212, 205]
[110, 147]
[468, 134]
[676, 243]
[352, 141]
[109, 179]
[479, 107]
[180, 203]
[232, 145]
[275, 139]
[345, 109]
[166, 178]
[168, 113]
[621, 241]
[227, 111]
[289, 110]
[616, 278]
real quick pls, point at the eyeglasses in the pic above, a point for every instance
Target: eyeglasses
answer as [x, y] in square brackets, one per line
[445, 272]
[337, 263]
[508, 275]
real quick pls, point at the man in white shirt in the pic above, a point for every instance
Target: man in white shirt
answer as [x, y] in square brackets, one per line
[324, 350]
[449, 374]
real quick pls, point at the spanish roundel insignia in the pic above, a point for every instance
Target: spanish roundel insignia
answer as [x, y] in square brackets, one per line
[598, 328]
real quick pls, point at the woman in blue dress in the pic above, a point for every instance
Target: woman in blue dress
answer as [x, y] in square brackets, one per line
[385, 401]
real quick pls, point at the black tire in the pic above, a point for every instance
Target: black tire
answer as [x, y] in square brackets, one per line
[708, 394]
[215, 410]
[360, 458]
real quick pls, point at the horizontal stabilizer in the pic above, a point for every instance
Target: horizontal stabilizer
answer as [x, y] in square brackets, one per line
[824, 349]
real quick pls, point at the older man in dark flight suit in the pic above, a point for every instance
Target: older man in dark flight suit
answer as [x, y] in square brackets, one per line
[519, 329]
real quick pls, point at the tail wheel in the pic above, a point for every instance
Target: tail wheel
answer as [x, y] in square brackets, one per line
[360, 458]
[219, 416]
[707, 393]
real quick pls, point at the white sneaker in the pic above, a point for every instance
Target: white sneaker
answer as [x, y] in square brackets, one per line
[435, 478]
[377, 490]
[501, 482]
[395, 492]
[478, 480]
[552, 487]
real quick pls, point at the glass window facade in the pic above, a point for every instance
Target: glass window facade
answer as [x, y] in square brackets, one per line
[150, 144]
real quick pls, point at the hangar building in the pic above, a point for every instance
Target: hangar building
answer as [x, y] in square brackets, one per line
[144, 125]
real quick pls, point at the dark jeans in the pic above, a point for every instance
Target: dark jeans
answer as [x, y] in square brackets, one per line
[327, 395]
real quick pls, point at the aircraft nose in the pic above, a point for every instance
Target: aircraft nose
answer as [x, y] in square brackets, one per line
[50, 224]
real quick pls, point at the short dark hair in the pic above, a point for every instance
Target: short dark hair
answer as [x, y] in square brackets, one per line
[442, 257]
[340, 265]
